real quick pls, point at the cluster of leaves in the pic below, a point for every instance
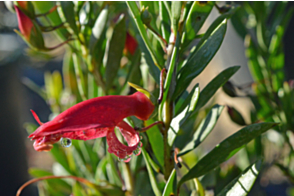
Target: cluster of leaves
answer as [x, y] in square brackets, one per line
[262, 26]
[98, 61]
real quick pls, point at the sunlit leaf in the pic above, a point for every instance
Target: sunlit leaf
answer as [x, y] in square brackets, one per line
[243, 183]
[226, 149]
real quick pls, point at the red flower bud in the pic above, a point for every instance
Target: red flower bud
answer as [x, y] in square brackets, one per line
[25, 24]
[131, 44]
[96, 118]
[29, 30]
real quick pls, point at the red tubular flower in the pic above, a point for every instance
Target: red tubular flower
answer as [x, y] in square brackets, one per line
[25, 24]
[96, 118]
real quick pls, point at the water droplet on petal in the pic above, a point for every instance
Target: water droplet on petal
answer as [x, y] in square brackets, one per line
[137, 151]
[65, 142]
[125, 159]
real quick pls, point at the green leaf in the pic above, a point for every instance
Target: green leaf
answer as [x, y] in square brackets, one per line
[185, 99]
[69, 76]
[156, 141]
[239, 24]
[77, 61]
[203, 130]
[136, 15]
[113, 171]
[165, 21]
[98, 29]
[243, 183]
[217, 82]
[253, 64]
[147, 59]
[60, 157]
[101, 170]
[78, 190]
[152, 178]
[204, 52]
[181, 118]
[201, 57]
[226, 149]
[52, 19]
[68, 13]
[79, 164]
[89, 155]
[176, 7]
[115, 51]
[197, 15]
[171, 184]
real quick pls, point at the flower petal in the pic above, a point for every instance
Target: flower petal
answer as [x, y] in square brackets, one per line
[130, 135]
[87, 134]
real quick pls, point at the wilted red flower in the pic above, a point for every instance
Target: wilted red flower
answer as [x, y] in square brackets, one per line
[131, 44]
[25, 24]
[96, 118]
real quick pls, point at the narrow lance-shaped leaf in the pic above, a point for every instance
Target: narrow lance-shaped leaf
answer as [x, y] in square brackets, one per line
[98, 28]
[79, 75]
[171, 184]
[184, 100]
[226, 149]
[165, 21]
[101, 170]
[136, 14]
[68, 13]
[113, 170]
[176, 7]
[152, 178]
[243, 183]
[180, 119]
[196, 17]
[204, 52]
[147, 59]
[156, 142]
[201, 57]
[203, 130]
[217, 82]
[115, 51]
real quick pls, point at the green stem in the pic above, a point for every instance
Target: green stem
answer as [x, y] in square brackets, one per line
[137, 18]
[168, 105]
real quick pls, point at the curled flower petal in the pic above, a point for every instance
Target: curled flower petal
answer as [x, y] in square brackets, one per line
[130, 135]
